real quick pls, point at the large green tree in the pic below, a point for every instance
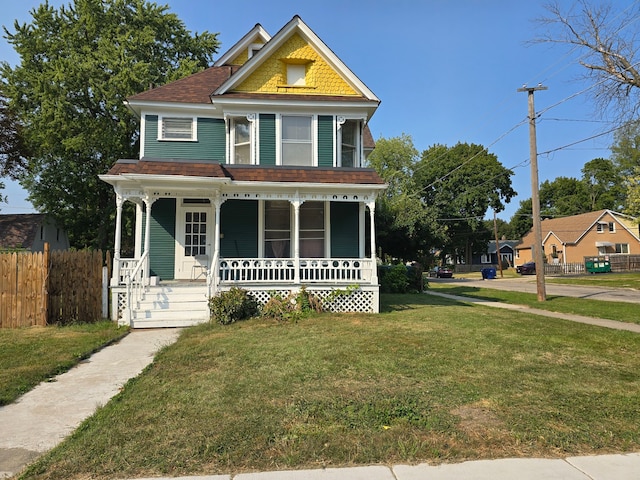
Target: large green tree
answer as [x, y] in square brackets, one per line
[77, 65]
[462, 183]
[605, 184]
[405, 226]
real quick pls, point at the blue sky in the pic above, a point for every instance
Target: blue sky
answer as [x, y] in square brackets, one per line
[446, 72]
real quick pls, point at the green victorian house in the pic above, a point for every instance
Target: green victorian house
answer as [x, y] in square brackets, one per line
[252, 174]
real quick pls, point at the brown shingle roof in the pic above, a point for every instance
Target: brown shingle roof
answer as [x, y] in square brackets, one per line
[567, 229]
[247, 173]
[195, 88]
[19, 230]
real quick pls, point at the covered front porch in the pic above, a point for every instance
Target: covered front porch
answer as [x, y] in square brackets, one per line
[210, 234]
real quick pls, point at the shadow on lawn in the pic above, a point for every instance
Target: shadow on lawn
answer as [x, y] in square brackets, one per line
[493, 296]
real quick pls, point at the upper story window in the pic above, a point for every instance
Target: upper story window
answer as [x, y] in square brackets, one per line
[349, 143]
[177, 128]
[606, 227]
[297, 140]
[296, 75]
[241, 140]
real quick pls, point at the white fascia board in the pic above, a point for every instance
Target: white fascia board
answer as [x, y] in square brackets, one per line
[333, 187]
[254, 34]
[140, 107]
[364, 110]
[142, 178]
[296, 24]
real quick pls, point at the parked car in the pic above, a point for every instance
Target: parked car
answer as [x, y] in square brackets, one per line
[441, 272]
[528, 268]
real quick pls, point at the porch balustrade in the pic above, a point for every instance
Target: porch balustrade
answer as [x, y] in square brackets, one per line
[266, 270]
[312, 270]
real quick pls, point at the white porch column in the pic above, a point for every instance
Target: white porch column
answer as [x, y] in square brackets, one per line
[148, 202]
[296, 240]
[374, 266]
[115, 276]
[361, 216]
[215, 261]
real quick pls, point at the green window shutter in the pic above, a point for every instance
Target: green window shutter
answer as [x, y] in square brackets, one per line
[325, 141]
[162, 241]
[150, 134]
[267, 139]
[239, 226]
[345, 221]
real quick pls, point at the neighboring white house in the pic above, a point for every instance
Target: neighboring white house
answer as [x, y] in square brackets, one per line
[30, 231]
[253, 172]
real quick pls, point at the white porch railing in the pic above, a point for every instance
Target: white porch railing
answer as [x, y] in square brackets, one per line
[312, 270]
[135, 279]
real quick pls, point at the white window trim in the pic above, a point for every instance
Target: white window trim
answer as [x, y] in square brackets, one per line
[340, 120]
[485, 258]
[314, 137]
[230, 133]
[253, 49]
[194, 129]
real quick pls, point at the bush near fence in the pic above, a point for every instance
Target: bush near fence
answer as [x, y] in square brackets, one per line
[45, 288]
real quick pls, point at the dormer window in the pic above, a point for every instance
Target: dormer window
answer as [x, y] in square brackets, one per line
[177, 128]
[296, 75]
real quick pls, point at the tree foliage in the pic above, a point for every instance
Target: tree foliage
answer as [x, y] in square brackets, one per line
[462, 183]
[605, 40]
[405, 227]
[77, 65]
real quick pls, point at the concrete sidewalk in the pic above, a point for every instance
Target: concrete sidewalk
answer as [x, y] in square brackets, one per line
[600, 322]
[603, 467]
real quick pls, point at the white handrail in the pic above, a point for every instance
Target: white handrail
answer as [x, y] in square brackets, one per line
[135, 288]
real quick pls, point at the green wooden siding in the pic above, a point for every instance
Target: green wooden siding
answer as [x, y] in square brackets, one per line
[325, 141]
[211, 143]
[162, 255]
[345, 220]
[267, 139]
[239, 226]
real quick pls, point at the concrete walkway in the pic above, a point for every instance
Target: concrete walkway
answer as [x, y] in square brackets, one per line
[43, 417]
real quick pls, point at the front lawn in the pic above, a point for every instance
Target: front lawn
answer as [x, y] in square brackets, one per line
[426, 380]
[29, 356]
[611, 280]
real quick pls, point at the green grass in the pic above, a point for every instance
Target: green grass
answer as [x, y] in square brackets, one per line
[426, 380]
[612, 280]
[621, 311]
[29, 356]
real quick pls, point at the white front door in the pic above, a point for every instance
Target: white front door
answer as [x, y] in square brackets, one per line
[193, 241]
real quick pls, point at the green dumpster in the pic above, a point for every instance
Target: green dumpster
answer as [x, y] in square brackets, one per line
[597, 264]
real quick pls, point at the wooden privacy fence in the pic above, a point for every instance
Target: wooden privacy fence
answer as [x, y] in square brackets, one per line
[51, 287]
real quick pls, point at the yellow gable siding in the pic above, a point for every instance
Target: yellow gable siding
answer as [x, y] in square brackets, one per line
[239, 59]
[320, 77]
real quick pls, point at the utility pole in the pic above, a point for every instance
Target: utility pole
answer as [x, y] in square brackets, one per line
[535, 197]
[495, 232]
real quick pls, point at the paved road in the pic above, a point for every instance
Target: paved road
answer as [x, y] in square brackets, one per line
[528, 284]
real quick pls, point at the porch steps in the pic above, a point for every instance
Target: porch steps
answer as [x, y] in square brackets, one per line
[168, 305]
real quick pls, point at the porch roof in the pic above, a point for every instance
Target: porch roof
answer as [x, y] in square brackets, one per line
[246, 173]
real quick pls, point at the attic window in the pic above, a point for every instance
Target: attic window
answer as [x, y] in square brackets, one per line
[296, 75]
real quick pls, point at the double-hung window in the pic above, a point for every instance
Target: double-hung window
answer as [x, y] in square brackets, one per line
[349, 143]
[241, 140]
[177, 128]
[297, 140]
